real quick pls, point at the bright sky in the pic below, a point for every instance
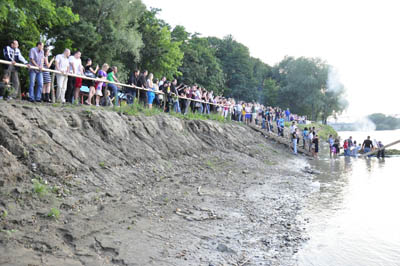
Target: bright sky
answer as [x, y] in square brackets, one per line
[359, 37]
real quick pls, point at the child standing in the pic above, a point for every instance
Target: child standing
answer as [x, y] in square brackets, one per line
[99, 85]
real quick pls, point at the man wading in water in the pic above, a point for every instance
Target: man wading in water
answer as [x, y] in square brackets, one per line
[367, 145]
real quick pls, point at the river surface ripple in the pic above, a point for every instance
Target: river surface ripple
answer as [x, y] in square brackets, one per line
[354, 213]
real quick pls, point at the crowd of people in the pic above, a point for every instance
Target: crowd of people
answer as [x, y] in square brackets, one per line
[151, 91]
[351, 148]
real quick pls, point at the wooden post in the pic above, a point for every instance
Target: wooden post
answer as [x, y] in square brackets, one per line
[53, 97]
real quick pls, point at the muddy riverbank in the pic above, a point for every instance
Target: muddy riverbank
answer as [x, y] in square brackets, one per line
[111, 189]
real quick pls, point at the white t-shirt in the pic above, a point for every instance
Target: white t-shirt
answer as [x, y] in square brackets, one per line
[77, 65]
[63, 62]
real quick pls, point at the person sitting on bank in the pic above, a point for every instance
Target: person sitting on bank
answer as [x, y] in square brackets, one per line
[13, 54]
[5, 87]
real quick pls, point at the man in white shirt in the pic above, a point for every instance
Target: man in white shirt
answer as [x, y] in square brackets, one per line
[77, 69]
[62, 65]
[293, 127]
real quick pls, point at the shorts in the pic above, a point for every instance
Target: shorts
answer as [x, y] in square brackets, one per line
[78, 83]
[99, 92]
[248, 116]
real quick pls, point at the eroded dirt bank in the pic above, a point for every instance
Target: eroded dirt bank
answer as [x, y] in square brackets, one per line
[143, 191]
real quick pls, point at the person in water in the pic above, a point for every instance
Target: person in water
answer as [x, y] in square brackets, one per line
[331, 142]
[381, 152]
[367, 145]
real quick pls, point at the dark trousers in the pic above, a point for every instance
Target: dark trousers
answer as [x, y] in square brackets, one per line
[69, 94]
[12, 72]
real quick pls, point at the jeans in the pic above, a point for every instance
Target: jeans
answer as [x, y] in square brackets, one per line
[114, 89]
[207, 109]
[366, 150]
[201, 108]
[294, 146]
[12, 72]
[177, 108]
[130, 98]
[187, 105]
[35, 77]
[263, 124]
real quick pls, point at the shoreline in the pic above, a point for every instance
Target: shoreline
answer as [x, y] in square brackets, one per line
[185, 193]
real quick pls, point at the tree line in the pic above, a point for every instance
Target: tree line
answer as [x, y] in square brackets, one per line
[127, 34]
[384, 122]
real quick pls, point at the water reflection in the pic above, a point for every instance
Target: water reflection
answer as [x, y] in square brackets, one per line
[354, 218]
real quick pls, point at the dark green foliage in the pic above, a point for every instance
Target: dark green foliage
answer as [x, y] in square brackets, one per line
[383, 122]
[161, 55]
[304, 88]
[126, 34]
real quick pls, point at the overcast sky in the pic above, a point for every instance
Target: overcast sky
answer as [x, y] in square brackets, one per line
[360, 38]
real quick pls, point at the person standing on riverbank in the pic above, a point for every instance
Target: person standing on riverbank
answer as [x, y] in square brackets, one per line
[46, 76]
[295, 137]
[36, 58]
[316, 146]
[75, 67]
[13, 54]
[62, 65]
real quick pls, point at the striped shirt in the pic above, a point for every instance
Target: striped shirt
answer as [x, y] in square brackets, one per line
[11, 54]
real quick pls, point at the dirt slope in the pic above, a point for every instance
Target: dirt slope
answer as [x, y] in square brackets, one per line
[143, 191]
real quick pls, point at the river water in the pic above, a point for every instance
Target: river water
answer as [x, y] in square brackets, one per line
[354, 212]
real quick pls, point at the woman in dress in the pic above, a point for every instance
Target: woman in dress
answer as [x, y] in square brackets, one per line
[91, 73]
[46, 76]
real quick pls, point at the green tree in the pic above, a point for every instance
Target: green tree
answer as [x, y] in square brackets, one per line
[200, 65]
[302, 83]
[383, 122]
[160, 55]
[107, 31]
[237, 67]
[30, 21]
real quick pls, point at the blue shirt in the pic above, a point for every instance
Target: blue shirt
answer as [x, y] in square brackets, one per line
[36, 55]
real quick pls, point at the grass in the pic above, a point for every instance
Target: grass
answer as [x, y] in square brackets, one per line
[40, 188]
[323, 130]
[8, 232]
[4, 214]
[102, 165]
[210, 164]
[54, 213]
